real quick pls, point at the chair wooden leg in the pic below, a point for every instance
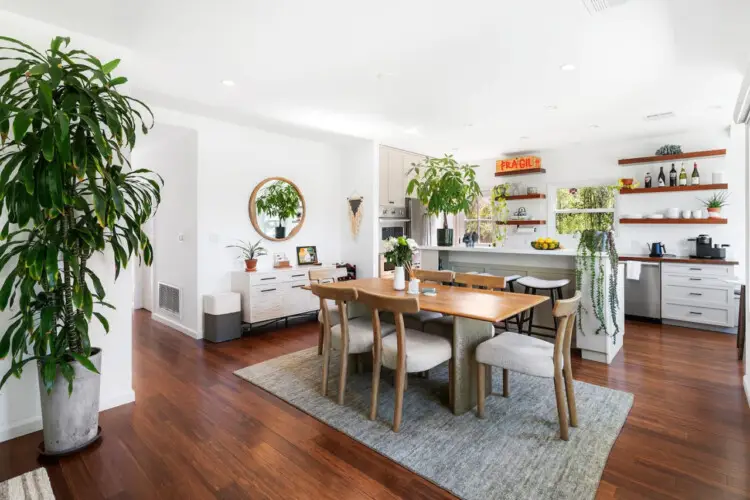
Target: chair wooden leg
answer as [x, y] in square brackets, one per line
[562, 414]
[568, 374]
[360, 364]
[398, 407]
[320, 339]
[343, 373]
[506, 383]
[481, 385]
[375, 384]
[326, 363]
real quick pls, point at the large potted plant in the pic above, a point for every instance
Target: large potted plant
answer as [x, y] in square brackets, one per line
[445, 187]
[68, 192]
[279, 201]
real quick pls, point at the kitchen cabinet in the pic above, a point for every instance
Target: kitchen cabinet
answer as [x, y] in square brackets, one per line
[394, 167]
[697, 293]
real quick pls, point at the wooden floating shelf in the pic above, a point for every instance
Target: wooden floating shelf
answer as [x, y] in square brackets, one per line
[710, 220]
[681, 156]
[521, 223]
[538, 196]
[521, 172]
[668, 189]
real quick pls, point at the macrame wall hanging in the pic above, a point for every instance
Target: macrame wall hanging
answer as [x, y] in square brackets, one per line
[355, 213]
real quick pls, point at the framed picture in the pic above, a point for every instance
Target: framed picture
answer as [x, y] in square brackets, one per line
[307, 255]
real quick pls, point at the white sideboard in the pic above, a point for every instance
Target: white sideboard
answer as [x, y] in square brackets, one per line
[277, 293]
[698, 293]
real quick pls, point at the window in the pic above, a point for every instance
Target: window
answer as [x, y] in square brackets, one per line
[591, 207]
[480, 219]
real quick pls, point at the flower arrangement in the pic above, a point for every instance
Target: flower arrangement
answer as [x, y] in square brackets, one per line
[399, 251]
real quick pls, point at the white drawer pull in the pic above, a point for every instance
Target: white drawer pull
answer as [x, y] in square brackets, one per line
[268, 290]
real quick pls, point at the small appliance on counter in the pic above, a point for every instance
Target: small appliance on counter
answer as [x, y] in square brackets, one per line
[705, 249]
[656, 249]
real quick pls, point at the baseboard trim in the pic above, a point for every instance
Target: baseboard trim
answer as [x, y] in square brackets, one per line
[746, 383]
[174, 324]
[34, 424]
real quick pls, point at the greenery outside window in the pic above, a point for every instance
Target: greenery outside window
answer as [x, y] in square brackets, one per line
[479, 219]
[578, 209]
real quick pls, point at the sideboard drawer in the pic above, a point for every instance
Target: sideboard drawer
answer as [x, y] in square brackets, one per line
[267, 301]
[699, 269]
[697, 314]
[266, 278]
[698, 295]
[299, 276]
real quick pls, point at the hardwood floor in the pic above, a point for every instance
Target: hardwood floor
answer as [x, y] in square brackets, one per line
[197, 431]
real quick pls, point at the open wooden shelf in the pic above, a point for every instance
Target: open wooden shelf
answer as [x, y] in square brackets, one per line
[674, 221]
[681, 156]
[667, 189]
[538, 196]
[521, 223]
[521, 172]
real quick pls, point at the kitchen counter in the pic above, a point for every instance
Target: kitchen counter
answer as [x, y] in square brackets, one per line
[678, 260]
[563, 252]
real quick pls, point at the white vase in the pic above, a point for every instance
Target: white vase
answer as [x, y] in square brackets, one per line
[399, 282]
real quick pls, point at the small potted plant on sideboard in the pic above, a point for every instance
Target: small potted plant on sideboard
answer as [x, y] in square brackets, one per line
[250, 252]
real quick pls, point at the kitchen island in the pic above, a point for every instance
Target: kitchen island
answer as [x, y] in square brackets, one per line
[548, 265]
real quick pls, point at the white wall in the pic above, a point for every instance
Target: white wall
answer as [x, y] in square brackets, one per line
[596, 163]
[172, 152]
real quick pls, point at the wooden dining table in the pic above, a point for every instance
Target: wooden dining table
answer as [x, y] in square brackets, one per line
[475, 312]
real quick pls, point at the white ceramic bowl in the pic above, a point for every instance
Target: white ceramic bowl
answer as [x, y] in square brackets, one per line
[698, 214]
[673, 213]
[656, 216]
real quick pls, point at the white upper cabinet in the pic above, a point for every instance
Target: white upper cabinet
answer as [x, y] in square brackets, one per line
[394, 167]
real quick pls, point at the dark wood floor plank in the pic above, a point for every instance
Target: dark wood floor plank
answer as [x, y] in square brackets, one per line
[198, 431]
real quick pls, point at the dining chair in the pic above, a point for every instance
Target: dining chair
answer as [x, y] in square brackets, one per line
[416, 321]
[524, 354]
[322, 276]
[350, 336]
[408, 351]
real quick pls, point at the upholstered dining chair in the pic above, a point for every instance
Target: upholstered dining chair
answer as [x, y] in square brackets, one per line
[350, 336]
[408, 351]
[524, 354]
[322, 276]
[416, 321]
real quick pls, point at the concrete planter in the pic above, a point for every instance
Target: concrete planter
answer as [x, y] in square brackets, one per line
[71, 422]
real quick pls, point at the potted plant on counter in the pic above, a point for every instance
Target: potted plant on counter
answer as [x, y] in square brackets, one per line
[69, 194]
[399, 252]
[715, 203]
[279, 201]
[444, 187]
[250, 252]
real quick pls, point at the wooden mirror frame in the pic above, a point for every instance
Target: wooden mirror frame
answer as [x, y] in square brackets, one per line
[254, 215]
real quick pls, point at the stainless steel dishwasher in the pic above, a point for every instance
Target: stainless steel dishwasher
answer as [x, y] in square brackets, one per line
[643, 296]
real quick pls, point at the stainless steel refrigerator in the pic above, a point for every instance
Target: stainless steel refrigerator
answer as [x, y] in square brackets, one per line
[419, 226]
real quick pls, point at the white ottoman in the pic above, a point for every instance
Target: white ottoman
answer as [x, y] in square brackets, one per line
[222, 317]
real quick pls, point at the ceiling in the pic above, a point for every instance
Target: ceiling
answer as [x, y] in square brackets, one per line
[478, 77]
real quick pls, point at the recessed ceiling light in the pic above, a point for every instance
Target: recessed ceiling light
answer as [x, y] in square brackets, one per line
[469, 125]
[594, 126]
[228, 83]
[455, 149]
[524, 137]
[550, 107]
[567, 67]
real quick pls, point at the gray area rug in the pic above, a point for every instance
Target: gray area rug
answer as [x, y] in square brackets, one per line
[33, 485]
[514, 453]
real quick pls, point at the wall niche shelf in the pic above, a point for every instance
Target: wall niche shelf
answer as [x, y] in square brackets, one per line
[521, 172]
[538, 196]
[710, 220]
[669, 189]
[521, 223]
[681, 156]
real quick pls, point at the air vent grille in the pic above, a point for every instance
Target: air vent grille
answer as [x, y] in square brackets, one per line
[170, 299]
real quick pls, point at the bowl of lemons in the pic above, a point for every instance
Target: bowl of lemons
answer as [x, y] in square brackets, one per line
[546, 244]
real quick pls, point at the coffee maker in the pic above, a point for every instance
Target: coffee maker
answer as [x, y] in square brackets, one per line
[705, 249]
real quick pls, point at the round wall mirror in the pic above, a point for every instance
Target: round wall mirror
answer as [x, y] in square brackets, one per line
[277, 209]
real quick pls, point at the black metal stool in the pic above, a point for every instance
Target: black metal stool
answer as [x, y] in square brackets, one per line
[555, 287]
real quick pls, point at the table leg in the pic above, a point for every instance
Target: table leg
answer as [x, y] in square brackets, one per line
[467, 335]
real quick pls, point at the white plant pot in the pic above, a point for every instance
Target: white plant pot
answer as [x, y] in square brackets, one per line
[399, 281]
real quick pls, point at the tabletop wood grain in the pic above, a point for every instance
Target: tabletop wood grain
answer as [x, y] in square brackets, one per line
[483, 305]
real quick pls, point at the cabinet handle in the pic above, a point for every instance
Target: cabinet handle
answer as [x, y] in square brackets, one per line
[268, 290]
[696, 279]
[696, 269]
[696, 313]
[696, 294]
[298, 286]
[297, 275]
[392, 202]
[266, 279]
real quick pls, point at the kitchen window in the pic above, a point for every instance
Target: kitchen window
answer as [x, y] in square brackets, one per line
[580, 208]
[479, 219]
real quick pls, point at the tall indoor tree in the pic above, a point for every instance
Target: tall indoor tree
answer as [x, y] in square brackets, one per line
[67, 191]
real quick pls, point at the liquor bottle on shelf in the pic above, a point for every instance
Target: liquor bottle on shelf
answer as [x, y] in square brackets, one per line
[662, 180]
[673, 176]
[647, 181]
[695, 179]
[683, 175]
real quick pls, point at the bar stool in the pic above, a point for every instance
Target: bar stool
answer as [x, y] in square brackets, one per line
[532, 285]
